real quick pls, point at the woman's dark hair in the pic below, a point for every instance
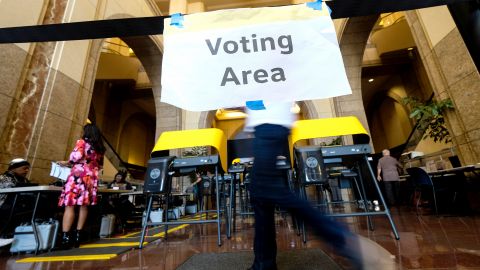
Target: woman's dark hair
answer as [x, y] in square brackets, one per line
[123, 174]
[92, 135]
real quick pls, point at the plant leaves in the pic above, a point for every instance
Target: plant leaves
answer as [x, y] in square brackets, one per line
[430, 117]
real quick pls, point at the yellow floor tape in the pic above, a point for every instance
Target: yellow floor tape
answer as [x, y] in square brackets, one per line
[105, 256]
[119, 244]
[67, 258]
[196, 217]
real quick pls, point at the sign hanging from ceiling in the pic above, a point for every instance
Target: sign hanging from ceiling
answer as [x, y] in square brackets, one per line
[226, 58]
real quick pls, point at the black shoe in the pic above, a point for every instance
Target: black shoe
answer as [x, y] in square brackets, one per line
[78, 239]
[66, 241]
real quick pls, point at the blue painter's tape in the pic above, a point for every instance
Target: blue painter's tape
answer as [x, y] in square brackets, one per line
[255, 105]
[317, 5]
[177, 20]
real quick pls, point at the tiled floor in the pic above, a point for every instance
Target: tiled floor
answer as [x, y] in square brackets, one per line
[426, 242]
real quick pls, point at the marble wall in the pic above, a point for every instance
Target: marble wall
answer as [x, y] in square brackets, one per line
[36, 126]
[57, 129]
[352, 45]
[12, 58]
[453, 75]
[31, 91]
[148, 52]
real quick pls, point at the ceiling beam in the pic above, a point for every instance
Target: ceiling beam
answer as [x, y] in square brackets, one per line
[154, 25]
[354, 8]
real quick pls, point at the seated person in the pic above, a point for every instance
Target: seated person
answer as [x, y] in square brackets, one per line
[121, 206]
[120, 181]
[15, 176]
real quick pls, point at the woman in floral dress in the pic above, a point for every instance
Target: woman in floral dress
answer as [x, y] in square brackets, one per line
[80, 189]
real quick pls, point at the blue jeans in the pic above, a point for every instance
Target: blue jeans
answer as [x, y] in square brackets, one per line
[269, 188]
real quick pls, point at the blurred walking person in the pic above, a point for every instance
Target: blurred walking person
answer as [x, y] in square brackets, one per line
[271, 124]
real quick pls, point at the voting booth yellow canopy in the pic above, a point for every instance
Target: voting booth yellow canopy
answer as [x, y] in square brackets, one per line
[323, 128]
[213, 137]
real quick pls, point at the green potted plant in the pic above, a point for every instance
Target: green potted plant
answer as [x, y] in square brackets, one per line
[430, 117]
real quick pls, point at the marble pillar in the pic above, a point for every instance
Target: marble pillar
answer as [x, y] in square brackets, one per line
[178, 6]
[453, 75]
[22, 120]
[352, 45]
[295, 2]
[196, 6]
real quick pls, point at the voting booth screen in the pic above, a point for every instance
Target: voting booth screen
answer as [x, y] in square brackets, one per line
[157, 179]
[310, 165]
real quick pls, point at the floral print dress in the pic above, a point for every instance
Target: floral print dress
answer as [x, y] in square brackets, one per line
[82, 183]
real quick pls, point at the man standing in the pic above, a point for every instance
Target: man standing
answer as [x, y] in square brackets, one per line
[387, 171]
[269, 188]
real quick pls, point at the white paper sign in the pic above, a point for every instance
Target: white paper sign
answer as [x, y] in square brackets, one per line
[225, 58]
[60, 172]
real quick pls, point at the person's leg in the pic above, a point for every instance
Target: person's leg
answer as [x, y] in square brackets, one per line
[344, 242]
[270, 142]
[265, 247]
[396, 192]
[82, 217]
[68, 217]
[389, 193]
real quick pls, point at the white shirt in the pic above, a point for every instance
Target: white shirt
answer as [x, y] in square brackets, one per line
[278, 113]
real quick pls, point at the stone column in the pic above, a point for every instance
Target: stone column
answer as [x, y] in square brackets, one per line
[178, 6]
[19, 129]
[352, 45]
[295, 2]
[467, 18]
[168, 117]
[196, 6]
[190, 120]
[452, 74]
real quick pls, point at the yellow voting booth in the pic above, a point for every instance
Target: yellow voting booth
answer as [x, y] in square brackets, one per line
[317, 165]
[161, 170]
[323, 128]
[212, 137]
